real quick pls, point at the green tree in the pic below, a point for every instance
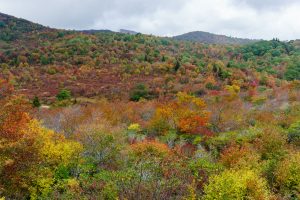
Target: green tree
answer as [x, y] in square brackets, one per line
[36, 102]
[44, 60]
[2, 24]
[63, 95]
[293, 72]
[177, 66]
[140, 91]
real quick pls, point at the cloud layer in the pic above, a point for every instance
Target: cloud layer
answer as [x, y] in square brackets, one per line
[240, 18]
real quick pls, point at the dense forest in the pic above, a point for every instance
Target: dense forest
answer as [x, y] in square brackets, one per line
[106, 115]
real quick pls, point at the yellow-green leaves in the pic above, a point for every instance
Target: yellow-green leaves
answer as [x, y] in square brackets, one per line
[288, 175]
[236, 185]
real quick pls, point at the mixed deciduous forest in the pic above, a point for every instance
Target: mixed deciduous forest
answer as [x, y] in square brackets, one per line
[106, 115]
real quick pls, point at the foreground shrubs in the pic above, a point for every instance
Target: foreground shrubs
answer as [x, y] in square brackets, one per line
[294, 133]
[33, 159]
[241, 184]
[288, 176]
[155, 152]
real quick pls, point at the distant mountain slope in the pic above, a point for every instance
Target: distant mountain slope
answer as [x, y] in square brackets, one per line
[92, 31]
[12, 28]
[297, 43]
[130, 32]
[205, 37]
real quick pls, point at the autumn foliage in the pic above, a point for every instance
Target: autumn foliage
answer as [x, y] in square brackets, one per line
[186, 115]
[87, 115]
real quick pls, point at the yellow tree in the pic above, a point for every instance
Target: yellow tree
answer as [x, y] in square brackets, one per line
[30, 155]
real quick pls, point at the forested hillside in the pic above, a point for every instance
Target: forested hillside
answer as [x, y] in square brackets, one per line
[101, 64]
[210, 38]
[105, 115]
[14, 28]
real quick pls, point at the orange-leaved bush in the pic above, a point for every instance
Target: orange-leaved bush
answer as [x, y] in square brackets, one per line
[186, 115]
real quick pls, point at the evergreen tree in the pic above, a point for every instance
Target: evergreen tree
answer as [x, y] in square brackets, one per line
[36, 102]
[177, 66]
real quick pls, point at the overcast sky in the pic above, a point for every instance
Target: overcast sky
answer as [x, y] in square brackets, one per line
[261, 19]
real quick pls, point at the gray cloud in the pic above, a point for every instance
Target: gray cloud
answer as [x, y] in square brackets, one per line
[242, 18]
[266, 4]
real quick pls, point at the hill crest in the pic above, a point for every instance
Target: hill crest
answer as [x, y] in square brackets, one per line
[210, 38]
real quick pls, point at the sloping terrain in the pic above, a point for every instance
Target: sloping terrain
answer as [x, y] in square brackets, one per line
[12, 28]
[104, 115]
[209, 38]
[41, 61]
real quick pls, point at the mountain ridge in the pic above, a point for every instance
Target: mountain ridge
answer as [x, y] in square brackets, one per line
[211, 38]
[13, 28]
